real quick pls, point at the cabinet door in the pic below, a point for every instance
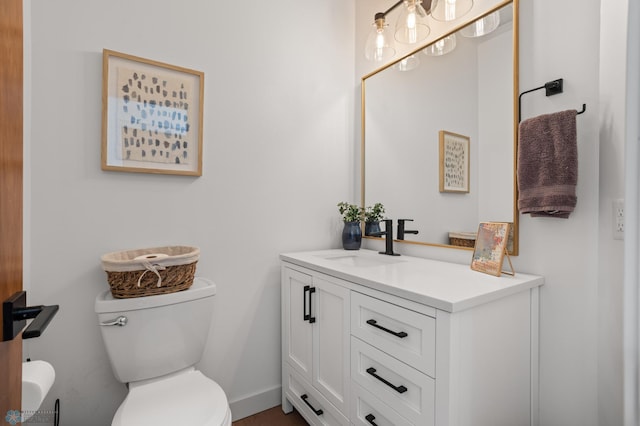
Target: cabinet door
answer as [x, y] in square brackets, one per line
[297, 334]
[331, 368]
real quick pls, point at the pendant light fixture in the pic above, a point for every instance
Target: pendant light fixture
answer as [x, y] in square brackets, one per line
[441, 47]
[411, 27]
[379, 46]
[450, 10]
[482, 26]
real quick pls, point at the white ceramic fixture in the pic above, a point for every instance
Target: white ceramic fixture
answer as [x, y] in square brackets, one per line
[37, 379]
[153, 344]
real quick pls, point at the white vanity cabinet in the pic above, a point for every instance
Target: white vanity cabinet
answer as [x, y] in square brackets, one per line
[315, 350]
[410, 342]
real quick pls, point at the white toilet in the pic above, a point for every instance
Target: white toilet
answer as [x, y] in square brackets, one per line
[153, 344]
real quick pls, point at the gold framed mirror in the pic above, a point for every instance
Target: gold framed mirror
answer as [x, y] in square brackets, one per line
[471, 93]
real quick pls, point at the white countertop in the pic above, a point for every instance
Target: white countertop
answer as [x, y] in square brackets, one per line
[447, 286]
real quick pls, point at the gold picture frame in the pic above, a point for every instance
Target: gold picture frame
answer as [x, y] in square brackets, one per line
[491, 248]
[151, 116]
[454, 162]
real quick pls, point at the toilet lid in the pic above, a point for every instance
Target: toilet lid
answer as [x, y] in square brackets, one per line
[188, 398]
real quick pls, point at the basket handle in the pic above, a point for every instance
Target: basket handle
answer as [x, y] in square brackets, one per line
[153, 268]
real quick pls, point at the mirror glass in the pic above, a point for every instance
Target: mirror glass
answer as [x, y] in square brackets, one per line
[469, 93]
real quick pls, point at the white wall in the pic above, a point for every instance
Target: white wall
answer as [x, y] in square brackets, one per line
[613, 44]
[278, 156]
[631, 291]
[566, 251]
[580, 308]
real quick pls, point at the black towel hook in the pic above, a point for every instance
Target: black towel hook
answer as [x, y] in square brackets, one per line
[551, 88]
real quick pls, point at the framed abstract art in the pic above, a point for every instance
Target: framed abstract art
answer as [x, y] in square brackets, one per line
[454, 162]
[151, 116]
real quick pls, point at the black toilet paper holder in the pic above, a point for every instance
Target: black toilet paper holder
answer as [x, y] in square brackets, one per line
[15, 314]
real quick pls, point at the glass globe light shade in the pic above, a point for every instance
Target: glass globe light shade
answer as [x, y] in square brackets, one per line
[411, 26]
[450, 10]
[482, 26]
[441, 47]
[379, 45]
[408, 63]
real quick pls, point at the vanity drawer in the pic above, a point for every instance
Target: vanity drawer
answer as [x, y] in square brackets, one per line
[403, 388]
[405, 334]
[367, 410]
[313, 406]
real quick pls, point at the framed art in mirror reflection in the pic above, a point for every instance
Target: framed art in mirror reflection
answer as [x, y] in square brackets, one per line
[454, 162]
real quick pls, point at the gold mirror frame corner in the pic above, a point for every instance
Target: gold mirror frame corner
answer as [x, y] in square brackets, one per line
[514, 251]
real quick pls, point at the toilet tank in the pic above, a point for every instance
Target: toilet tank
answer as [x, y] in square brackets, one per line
[163, 333]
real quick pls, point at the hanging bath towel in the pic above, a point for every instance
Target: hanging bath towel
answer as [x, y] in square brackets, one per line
[548, 165]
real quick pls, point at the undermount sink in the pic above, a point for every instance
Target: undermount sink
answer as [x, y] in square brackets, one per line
[364, 261]
[37, 379]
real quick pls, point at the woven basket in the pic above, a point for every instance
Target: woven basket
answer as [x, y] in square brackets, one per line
[462, 239]
[150, 271]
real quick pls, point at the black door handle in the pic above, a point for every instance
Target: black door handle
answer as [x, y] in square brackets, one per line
[15, 314]
[370, 418]
[399, 389]
[374, 323]
[304, 398]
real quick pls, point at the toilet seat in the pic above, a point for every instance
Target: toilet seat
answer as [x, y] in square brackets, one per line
[184, 398]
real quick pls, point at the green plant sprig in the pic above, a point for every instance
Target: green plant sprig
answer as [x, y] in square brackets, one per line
[351, 212]
[374, 213]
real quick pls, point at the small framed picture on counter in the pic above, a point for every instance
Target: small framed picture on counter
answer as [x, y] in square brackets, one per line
[490, 248]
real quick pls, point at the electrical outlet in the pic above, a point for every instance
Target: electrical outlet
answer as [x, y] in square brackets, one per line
[618, 219]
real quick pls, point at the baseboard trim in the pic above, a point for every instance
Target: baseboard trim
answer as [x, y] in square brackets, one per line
[255, 403]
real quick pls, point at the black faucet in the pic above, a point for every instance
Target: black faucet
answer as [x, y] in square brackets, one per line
[388, 238]
[402, 231]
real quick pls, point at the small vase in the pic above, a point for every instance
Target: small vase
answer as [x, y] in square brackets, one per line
[351, 236]
[371, 228]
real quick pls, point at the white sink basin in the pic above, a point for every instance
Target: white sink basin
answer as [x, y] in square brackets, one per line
[365, 261]
[37, 379]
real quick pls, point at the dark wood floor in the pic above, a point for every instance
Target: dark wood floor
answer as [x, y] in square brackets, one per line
[273, 417]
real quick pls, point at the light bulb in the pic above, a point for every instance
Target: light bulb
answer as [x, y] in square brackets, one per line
[450, 10]
[411, 26]
[379, 46]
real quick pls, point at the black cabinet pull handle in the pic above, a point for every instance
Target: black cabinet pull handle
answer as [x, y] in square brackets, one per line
[399, 389]
[370, 418]
[374, 323]
[304, 398]
[312, 319]
[305, 315]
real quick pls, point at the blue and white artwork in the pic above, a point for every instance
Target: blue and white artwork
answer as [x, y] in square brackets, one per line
[153, 113]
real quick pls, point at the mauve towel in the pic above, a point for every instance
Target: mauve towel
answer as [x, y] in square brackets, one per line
[548, 165]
